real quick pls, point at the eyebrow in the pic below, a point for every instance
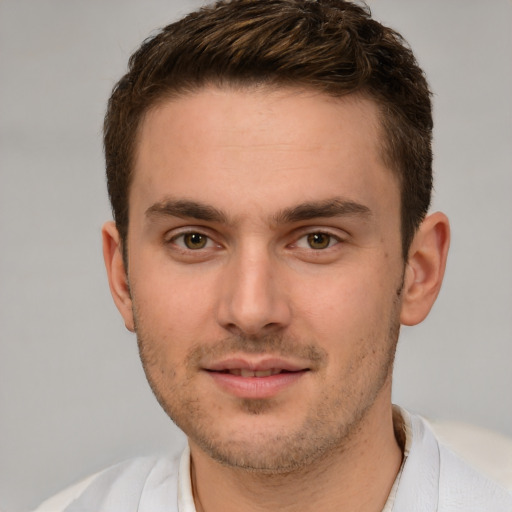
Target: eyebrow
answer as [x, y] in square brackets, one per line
[333, 207]
[185, 208]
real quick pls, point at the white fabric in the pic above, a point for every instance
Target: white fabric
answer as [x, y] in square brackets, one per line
[432, 479]
[401, 421]
[486, 450]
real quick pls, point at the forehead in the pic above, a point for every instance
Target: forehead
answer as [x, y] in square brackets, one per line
[220, 112]
[260, 143]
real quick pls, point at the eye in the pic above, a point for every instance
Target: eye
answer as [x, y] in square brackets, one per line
[317, 241]
[193, 241]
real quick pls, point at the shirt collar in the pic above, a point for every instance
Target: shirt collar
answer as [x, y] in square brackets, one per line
[420, 465]
[417, 484]
[403, 432]
[185, 495]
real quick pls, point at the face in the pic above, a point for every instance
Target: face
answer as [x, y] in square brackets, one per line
[265, 270]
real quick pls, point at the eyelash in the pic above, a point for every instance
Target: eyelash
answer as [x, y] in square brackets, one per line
[332, 240]
[183, 235]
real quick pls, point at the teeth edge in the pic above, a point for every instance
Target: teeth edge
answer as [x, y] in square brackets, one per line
[242, 372]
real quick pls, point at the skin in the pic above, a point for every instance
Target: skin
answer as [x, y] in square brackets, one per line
[265, 232]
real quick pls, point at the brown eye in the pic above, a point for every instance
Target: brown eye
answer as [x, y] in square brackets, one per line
[195, 241]
[319, 240]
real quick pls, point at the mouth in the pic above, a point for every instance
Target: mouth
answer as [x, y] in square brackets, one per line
[256, 367]
[242, 372]
[256, 379]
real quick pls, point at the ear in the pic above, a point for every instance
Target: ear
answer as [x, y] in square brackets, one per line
[116, 271]
[425, 268]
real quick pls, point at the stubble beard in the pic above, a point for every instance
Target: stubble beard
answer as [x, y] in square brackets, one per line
[328, 428]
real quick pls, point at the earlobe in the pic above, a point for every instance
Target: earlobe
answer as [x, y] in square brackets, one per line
[116, 272]
[425, 268]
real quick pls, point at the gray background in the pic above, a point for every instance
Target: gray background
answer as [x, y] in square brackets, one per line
[73, 398]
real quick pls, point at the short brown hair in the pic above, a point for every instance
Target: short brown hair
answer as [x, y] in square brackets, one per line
[332, 46]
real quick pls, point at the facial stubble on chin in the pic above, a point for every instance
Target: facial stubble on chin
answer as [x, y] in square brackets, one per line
[330, 426]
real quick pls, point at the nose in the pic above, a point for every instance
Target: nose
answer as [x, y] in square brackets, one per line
[253, 299]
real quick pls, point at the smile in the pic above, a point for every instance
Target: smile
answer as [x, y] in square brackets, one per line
[256, 380]
[242, 372]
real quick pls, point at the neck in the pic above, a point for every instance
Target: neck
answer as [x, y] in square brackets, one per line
[357, 477]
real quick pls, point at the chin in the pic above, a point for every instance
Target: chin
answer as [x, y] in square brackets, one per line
[268, 447]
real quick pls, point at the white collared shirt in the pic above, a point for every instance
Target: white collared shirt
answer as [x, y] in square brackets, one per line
[431, 479]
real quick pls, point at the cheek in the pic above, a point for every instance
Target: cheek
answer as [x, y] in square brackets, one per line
[169, 320]
[350, 314]
[344, 297]
[173, 297]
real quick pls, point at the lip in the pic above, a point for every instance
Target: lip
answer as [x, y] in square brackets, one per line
[255, 387]
[255, 365]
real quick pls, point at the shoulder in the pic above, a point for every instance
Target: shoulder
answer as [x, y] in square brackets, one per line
[461, 488]
[145, 483]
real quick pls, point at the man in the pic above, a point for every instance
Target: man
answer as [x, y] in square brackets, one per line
[269, 168]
